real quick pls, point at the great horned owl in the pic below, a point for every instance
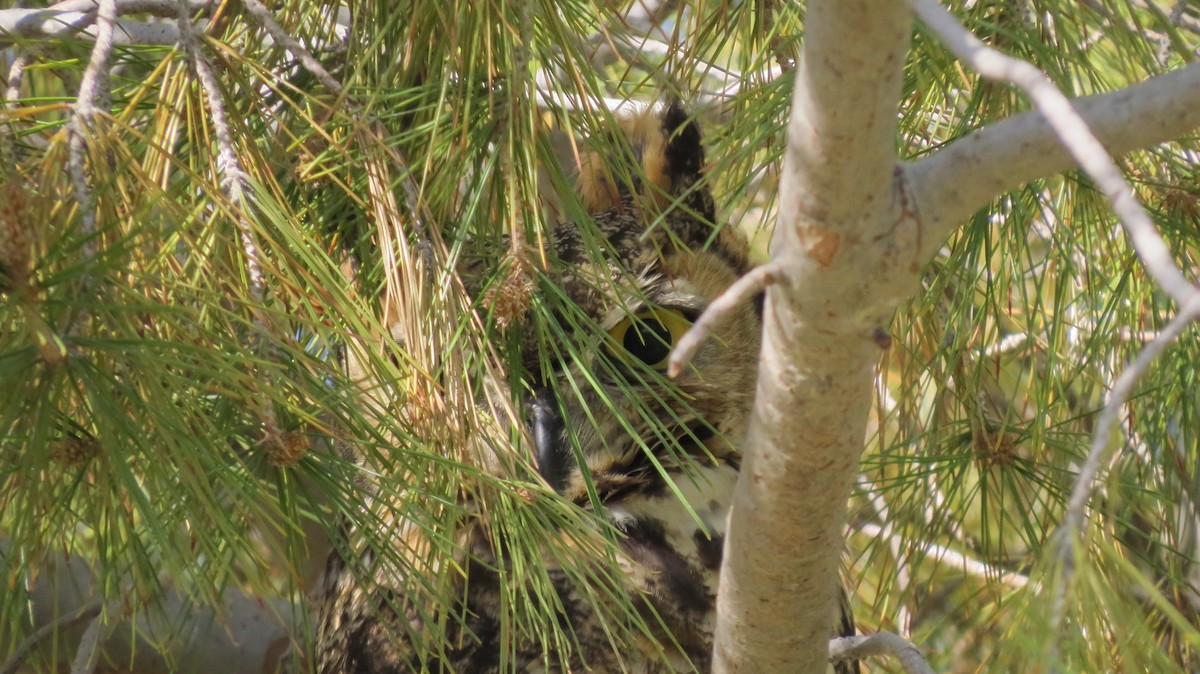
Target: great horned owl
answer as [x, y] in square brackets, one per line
[667, 493]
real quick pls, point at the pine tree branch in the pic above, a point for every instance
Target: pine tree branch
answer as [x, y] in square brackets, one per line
[92, 90]
[1101, 446]
[836, 281]
[17, 657]
[855, 229]
[1169, 105]
[298, 50]
[91, 644]
[12, 91]
[1072, 130]
[737, 295]
[1177, 15]
[962, 178]
[161, 8]
[1059, 135]
[230, 174]
[246, 634]
[945, 555]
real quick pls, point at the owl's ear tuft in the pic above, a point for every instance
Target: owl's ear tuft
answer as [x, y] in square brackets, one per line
[680, 167]
[673, 160]
[683, 151]
[665, 140]
[657, 179]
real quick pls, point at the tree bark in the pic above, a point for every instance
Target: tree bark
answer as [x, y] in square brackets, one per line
[844, 246]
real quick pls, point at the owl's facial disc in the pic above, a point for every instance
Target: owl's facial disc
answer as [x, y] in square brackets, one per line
[634, 351]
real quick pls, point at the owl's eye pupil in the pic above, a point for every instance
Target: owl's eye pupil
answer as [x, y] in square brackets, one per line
[648, 340]
[648, 336]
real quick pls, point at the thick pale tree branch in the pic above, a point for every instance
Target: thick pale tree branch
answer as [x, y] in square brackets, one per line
[1073, 132]
[778, 577]
[855, 230]
[962, 178]
[79, 26]
[163, 8]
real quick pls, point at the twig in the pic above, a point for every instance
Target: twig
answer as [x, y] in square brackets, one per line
[16, 74]
[73, 20]
[232, 179]
[93, 87]
[735, 296]
[281, 36]
[942, 554]
[880, 643]
[1100, 450]
[1177, 16]
[373, 128]
[230, 176]
[12, 91]
[1119, 395]
[85, 612]
[647, 16]
[550, 98]
[1006, 344]
[1102, 10]
[89, 651]
[1074, 134]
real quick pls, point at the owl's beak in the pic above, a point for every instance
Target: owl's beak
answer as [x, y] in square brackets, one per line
[555, 460]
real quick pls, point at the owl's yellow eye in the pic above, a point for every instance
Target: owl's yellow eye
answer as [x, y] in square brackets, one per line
[649, 336]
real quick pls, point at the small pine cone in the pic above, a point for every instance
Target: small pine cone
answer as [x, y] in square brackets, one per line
[49, 346]
[74, 451]
[309, 167]
[16, 231]
[286, 449]
[996, 449]
[512, 297]
[1182, 202]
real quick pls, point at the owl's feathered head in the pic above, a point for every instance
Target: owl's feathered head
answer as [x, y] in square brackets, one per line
[635, 277]
[657, 178]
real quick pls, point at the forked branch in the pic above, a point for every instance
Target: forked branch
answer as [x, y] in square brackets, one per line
[1171, 106]
[1073, 132]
